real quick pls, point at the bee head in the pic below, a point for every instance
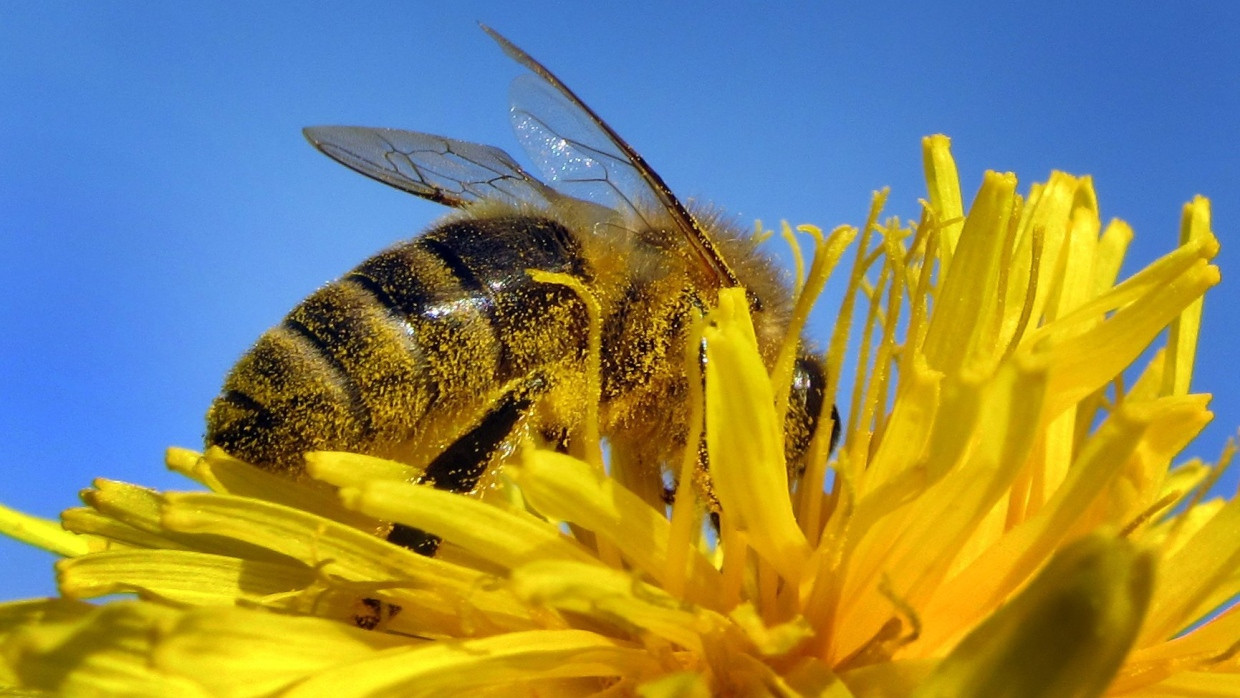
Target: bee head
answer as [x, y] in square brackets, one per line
[806, 402]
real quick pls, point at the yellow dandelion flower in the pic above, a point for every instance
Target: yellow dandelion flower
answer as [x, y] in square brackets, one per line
[1001, 517]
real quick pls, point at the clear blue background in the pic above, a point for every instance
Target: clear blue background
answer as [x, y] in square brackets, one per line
[159, 208]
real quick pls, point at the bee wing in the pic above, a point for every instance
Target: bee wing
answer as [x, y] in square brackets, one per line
[586, 159]
[444, 170]
[572, 155]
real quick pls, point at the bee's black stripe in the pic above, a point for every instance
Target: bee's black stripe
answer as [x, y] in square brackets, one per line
[456, 264]
[392, 277]
[460, 266]
[406, 301]
[240, 400]
[326, 347]
[258, 418]
[381, 295]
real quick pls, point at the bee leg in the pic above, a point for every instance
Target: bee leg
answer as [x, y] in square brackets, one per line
[462, 463]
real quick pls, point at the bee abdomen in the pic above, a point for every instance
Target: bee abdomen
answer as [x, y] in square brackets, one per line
[336, 374]
[433, 323]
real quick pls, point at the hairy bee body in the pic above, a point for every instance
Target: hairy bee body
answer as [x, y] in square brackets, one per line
[443, 351]
[412, 340]
[397, 356]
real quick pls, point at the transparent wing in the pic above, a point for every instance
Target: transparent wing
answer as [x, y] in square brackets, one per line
[444, 170]
[586, 159]
[573, 155]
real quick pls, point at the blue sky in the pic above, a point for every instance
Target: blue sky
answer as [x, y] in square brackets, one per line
[159, 208]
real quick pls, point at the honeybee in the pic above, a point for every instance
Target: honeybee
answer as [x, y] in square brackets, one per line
[445, 345]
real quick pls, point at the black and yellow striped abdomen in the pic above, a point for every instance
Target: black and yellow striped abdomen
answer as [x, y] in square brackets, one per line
[408, 345]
